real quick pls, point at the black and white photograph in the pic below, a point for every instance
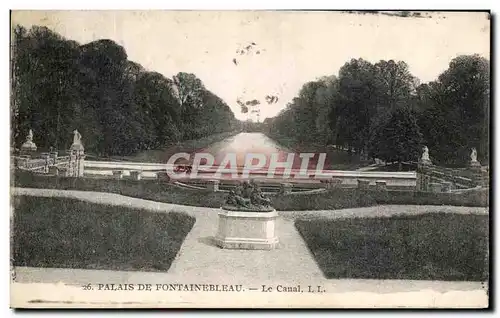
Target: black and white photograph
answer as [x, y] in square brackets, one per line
[250, 159]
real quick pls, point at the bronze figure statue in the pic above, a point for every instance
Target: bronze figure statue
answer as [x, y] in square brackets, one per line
[248, 197]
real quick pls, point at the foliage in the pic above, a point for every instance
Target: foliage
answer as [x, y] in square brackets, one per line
[457, 109]
[350, 110]
[306, 117]
[119, 107]
[398, 139]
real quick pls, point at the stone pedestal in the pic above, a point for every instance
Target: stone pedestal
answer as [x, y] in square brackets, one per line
[45, 156]
[381, 185]
[118, 174]
[247, 230]
[425, 162]
[285, 188]
[475, 166]
[28, 148]
[363, 184]
[27, 151]
[331, 183]
[335, 183]
[63, 171]
[325, 184]
[213, 185]
[135, 175]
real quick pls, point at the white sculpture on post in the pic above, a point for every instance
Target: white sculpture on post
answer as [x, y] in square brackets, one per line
[28, 146]
[77, 155]
[473, 155]
[425, 156]
[473, 158]
[77, 141]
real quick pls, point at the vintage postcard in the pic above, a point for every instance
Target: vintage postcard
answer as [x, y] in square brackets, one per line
[250, 159]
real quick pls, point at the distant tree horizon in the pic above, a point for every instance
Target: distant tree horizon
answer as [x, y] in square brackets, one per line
[451, 112]
[121, 108]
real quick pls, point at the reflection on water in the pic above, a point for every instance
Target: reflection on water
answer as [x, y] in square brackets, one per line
[244, 144]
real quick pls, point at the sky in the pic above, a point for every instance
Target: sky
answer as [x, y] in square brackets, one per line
[294, 47]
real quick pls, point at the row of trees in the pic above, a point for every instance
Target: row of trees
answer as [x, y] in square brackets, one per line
[381, 110]
[118, 106]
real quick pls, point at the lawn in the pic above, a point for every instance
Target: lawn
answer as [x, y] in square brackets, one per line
[438, 246]
[68, 233]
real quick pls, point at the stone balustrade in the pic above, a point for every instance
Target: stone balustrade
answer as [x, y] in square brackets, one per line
[449, 178]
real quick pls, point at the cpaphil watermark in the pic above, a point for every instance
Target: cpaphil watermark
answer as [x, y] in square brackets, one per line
[204, 166]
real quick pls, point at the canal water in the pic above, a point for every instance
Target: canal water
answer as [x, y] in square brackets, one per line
[259, 145]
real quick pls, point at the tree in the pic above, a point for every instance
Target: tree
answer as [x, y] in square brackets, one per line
[118, 106]
[325, 99]
[306, 111]
[305, 118]
[159, 109]
[395, 84]
[189, 90]
[398, 139]
[355, 105]
[456, 111]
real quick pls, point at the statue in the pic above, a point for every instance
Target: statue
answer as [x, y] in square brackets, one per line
[473, 155]
[248, 197]
[77, 138]
[246, 189]
[77, 141]
[258, 198]
[28, 145]
[29, 138]
[425, 156]
[236, 200]
[473, 159]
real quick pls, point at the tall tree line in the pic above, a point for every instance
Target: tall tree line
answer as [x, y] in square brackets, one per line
[119, 107]
[381, 110]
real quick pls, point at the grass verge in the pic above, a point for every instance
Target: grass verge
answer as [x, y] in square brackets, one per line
[68, 233]
[437, 246]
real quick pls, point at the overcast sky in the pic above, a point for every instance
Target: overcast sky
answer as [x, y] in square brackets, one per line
[294, 47]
